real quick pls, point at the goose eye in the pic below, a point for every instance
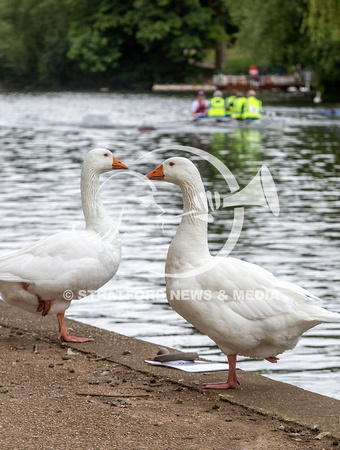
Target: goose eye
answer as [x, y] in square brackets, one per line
[171, 164]
[106, 154]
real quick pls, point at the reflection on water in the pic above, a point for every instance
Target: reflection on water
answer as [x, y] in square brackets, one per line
[44, 138]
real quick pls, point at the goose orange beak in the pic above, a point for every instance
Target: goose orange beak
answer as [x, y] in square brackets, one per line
[156, 174]
[118, 165]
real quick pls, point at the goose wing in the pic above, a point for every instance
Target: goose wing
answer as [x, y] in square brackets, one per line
[252, 291]
[61, 257]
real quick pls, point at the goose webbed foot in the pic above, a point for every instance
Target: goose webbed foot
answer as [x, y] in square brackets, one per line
[272, 359]
[64, 334]
[232, 381]
[222, 385]
[44, 306]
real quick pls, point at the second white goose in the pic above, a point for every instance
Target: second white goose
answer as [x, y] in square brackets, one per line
[241, 306]
[45, 276]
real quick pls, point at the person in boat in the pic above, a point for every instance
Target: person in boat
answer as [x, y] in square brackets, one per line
[252, 107]
[236, 107]
[217, 105]
[200, 106]
[229, 103]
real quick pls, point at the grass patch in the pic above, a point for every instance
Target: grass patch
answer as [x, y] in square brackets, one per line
[238, 61]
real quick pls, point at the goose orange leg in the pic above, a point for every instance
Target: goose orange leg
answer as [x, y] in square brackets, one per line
[232, 381]
[63, 332]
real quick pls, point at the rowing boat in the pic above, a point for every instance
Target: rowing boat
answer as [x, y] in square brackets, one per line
[220, 123]
[331, 112]
[265, 123]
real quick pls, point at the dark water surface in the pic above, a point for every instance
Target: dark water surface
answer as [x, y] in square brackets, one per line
[43, 140]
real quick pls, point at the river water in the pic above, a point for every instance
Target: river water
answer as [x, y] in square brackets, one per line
[43, 140]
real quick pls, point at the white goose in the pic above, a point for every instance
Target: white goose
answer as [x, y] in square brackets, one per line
[45, 276]
[242, 307]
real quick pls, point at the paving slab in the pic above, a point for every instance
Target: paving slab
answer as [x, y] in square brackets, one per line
[263, 413]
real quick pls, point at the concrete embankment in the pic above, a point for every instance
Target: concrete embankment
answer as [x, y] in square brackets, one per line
[102, 395]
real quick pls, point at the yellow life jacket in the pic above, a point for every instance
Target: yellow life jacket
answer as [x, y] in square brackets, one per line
[252, 108]
[217, 107]
[238, 107]
[230, 104]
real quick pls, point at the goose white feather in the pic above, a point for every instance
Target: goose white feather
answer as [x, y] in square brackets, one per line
[76, 262]
[241, 306]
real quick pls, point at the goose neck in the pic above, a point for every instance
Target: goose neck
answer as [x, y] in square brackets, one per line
[95, 214]
[192, 235]
[195, 207]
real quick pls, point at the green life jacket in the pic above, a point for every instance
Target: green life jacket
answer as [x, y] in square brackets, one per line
[230, 104]
[238, 106]
[217, 107]
[252, 108]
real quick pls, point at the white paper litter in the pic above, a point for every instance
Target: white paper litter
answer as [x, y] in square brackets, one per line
[70, 352]
[192, 366]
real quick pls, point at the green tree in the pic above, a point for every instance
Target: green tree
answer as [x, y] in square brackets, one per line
[138, 40]
[220, 31]
[33, 42]
[322, 21]
[290, 32]
[270, 30]
[322, 26]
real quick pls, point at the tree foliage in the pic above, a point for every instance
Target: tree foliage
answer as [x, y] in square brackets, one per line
[270, 30]
[322, 22]
[33, 41]
[108, 41]
[139, 42]
[322, 26]
[289, 33]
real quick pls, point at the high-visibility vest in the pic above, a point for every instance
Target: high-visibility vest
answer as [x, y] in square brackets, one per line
[238, 106]
[230, 104]
[217, 107]
[252, 108]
